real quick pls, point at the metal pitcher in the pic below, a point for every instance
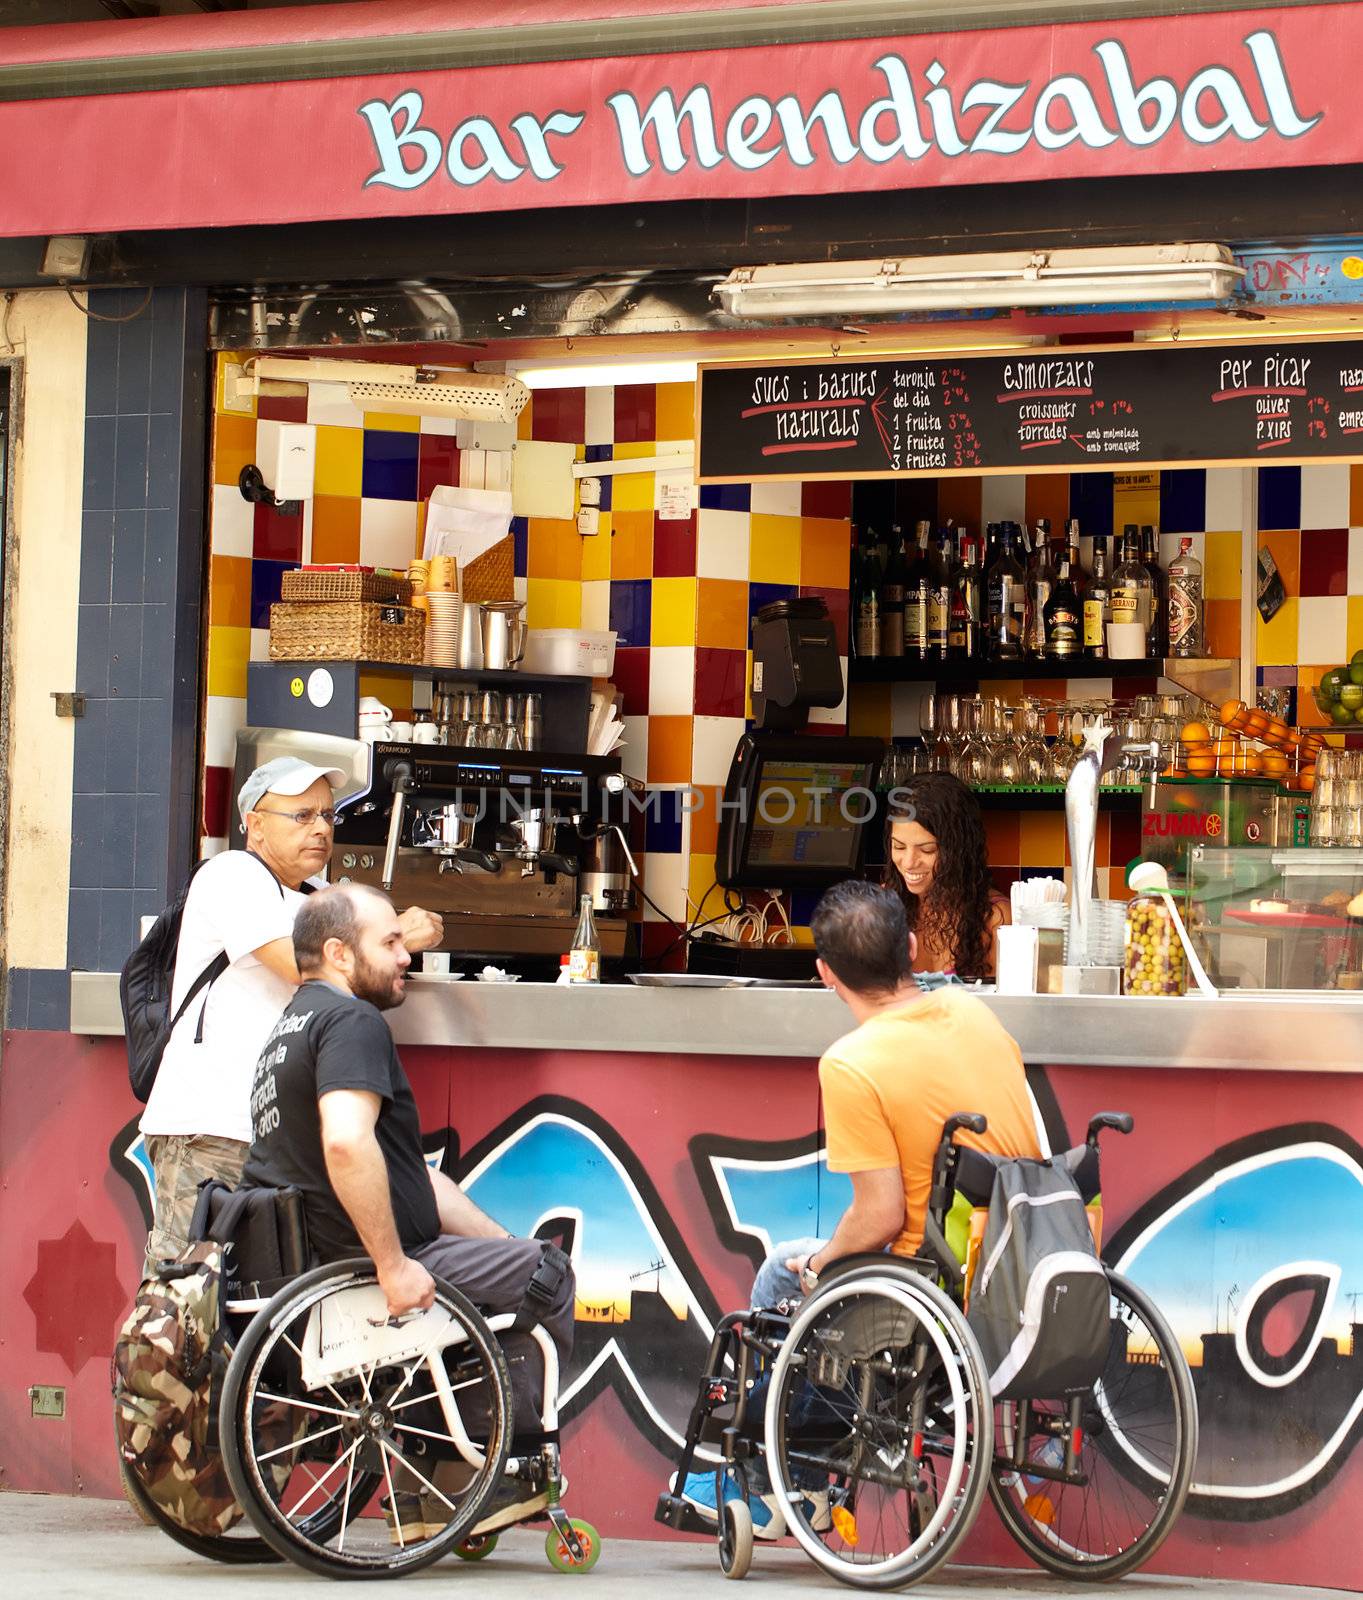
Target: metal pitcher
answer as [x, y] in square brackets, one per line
[503, 633]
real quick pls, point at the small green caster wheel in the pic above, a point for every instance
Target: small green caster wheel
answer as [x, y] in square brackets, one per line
[561, 1558]
[477, 1547]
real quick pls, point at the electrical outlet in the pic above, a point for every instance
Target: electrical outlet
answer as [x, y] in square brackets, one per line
[46, 1400]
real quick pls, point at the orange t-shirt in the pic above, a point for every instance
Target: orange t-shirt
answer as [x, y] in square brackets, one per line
[889, 1086]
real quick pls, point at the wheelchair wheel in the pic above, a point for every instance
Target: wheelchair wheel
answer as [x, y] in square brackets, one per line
[1139, 1449]
[879, 1429]
[330, 1411]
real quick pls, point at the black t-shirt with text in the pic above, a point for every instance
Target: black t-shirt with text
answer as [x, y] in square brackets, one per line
[328, 1040]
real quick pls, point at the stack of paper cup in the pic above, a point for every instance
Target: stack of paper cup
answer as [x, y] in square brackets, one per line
[442, 575]
[442, 632]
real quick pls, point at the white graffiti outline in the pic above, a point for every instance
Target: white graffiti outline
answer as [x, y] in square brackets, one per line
[1331, 1272]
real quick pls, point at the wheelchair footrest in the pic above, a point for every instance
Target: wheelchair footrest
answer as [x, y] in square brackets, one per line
[674, 1512]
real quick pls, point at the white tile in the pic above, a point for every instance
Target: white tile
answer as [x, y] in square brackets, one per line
[223, 716]
[1325, 496]
[712, 747]
[722, 539]
[329, 403]
[445, 427]
[520, 589]
[596, 604]
[598, 425]
[634, 750]
[1356, 560]
[267, 448]
[260, 645]
[1169, 547]
[387, 532]
[665, 876]
[1004, 498]
[776, 499]
[1323, 628]
[825, 716]
[211, 847]
[1225, 498]
[234, 522]
[671, 680]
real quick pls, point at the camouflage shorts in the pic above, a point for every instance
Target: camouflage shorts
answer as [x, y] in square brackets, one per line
[181, 1162]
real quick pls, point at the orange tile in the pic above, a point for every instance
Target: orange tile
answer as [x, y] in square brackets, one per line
[234, 445]
[1048, 495]
[229, 592]
[1355, 497]
[1221, 624]
[722, 614]
[1286, 548]
[335, 528]
[960, 500]
[669, 749]
[394, 689]
[523, 421]
[705, 820]
[553, 549]
[676, 410]
[1041, 839]
[1002, 838]
[825, 552]
[632, 544]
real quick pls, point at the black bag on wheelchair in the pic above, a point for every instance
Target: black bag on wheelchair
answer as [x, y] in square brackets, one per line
[173, 1349]
[1039, 1303]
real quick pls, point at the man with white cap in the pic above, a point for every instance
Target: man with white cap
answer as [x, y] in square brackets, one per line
[242, 903]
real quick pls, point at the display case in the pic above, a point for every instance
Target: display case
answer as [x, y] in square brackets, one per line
[1266, 918]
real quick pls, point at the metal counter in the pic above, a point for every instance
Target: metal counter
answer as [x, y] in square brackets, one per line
[1263, 1033]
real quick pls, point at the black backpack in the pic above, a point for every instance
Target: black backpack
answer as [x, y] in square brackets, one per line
[144, 989]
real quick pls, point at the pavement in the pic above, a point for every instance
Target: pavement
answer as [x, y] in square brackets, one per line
[65, 1548]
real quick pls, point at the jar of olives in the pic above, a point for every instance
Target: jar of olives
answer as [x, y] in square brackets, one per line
[1155, 962]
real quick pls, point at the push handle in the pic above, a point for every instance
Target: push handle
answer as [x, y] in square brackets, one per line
[1118, 1121]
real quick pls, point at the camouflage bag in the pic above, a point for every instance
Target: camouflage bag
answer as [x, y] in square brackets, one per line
[168, 1364]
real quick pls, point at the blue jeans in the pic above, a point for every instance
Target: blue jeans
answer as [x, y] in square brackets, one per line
[775, 1281]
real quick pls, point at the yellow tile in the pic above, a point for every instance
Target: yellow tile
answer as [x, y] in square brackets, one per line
[384, 422]
[676, 413]
[700, 874]
[234, 446]
[638, 451]
[674, 611]
[632, 491]
[1355, 625]
[340, 461]
[1221, 567]
[553, 603]
[1276, 641]
[229, 649]
[774, 549]
[523, 422]
[596, 551]
[392, 688]
[869, 712]
[229, 592]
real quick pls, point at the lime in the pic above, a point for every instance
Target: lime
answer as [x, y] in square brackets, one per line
[1323, 701]
[1356, 659]
[1341, 715]
[1334, 680]
[1351, 695]
[1358, 715]
[1356, 672]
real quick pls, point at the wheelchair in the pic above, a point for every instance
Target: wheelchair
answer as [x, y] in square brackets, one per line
[868, 1408]
[342, 1429]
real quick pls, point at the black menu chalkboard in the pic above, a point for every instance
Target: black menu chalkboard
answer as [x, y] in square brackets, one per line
[1063, 409]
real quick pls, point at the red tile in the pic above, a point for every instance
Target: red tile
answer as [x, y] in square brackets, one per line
[630, 677]
[1125, 839]
[661, 945]
[674, 548]
[832, 499]
[437, 463]
[1003, 878]
[559, 415]
[636, 413]
[217, 790]
[837, 602]
[277, 538]
[1324, 561]
[282, 408]
[720, 682]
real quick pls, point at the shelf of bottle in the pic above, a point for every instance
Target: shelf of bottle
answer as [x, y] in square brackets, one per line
[1192, 672]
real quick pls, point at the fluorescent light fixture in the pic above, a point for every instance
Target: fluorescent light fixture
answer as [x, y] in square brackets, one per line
[605, 375]
[1128, 276]
[405, 391]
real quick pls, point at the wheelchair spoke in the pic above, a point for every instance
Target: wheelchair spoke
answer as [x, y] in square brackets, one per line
[420, 1476]
[349, 1457]
[392, 1497]
[298, 1352]
[296, 1444]
[347, 1415]
[298, 1505]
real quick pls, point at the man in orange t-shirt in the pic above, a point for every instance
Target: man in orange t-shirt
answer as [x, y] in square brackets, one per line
[914, 1059]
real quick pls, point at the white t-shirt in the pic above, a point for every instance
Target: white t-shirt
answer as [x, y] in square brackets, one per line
[235, 904]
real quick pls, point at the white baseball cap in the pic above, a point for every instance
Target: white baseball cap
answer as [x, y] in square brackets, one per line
[287, 775]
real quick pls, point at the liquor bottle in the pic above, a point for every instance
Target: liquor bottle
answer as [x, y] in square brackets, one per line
[964, 640]
[1040, 579]
[1064, 616]
[1006, 586]
[1157, 639]
[1185, 603]
[1097, 604]
[939, 595]
[1129, 583]
[916, 597]
[584, 959]
[892, 598]
[868, 601]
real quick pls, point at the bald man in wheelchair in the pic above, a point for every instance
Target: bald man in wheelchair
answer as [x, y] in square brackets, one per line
[333, 1115]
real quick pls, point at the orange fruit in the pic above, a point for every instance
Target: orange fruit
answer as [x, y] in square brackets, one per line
[1195, 733]
[1274, 763]
[1306, 781]
[1233, 713]
[1175, 772]
[1201, 766]
[1252, 764]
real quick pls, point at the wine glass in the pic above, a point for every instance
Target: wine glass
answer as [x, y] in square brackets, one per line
[1007, 767]
[1032, 756]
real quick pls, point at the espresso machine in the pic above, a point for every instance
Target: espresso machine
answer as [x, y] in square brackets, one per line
[500, 843]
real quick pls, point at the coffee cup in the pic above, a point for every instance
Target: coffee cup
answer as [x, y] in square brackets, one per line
[425, 733]
[1125, 640]
[373, 709]
[436, 961]
[401, 732]
[376, 733]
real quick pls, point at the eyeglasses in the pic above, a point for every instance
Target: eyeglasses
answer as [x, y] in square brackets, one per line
[303, 819]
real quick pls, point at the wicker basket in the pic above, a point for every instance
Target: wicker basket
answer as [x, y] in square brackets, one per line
[490, 576]
[318, 586]
[346, 630]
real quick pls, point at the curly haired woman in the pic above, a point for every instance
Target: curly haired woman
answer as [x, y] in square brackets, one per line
[937, 863]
